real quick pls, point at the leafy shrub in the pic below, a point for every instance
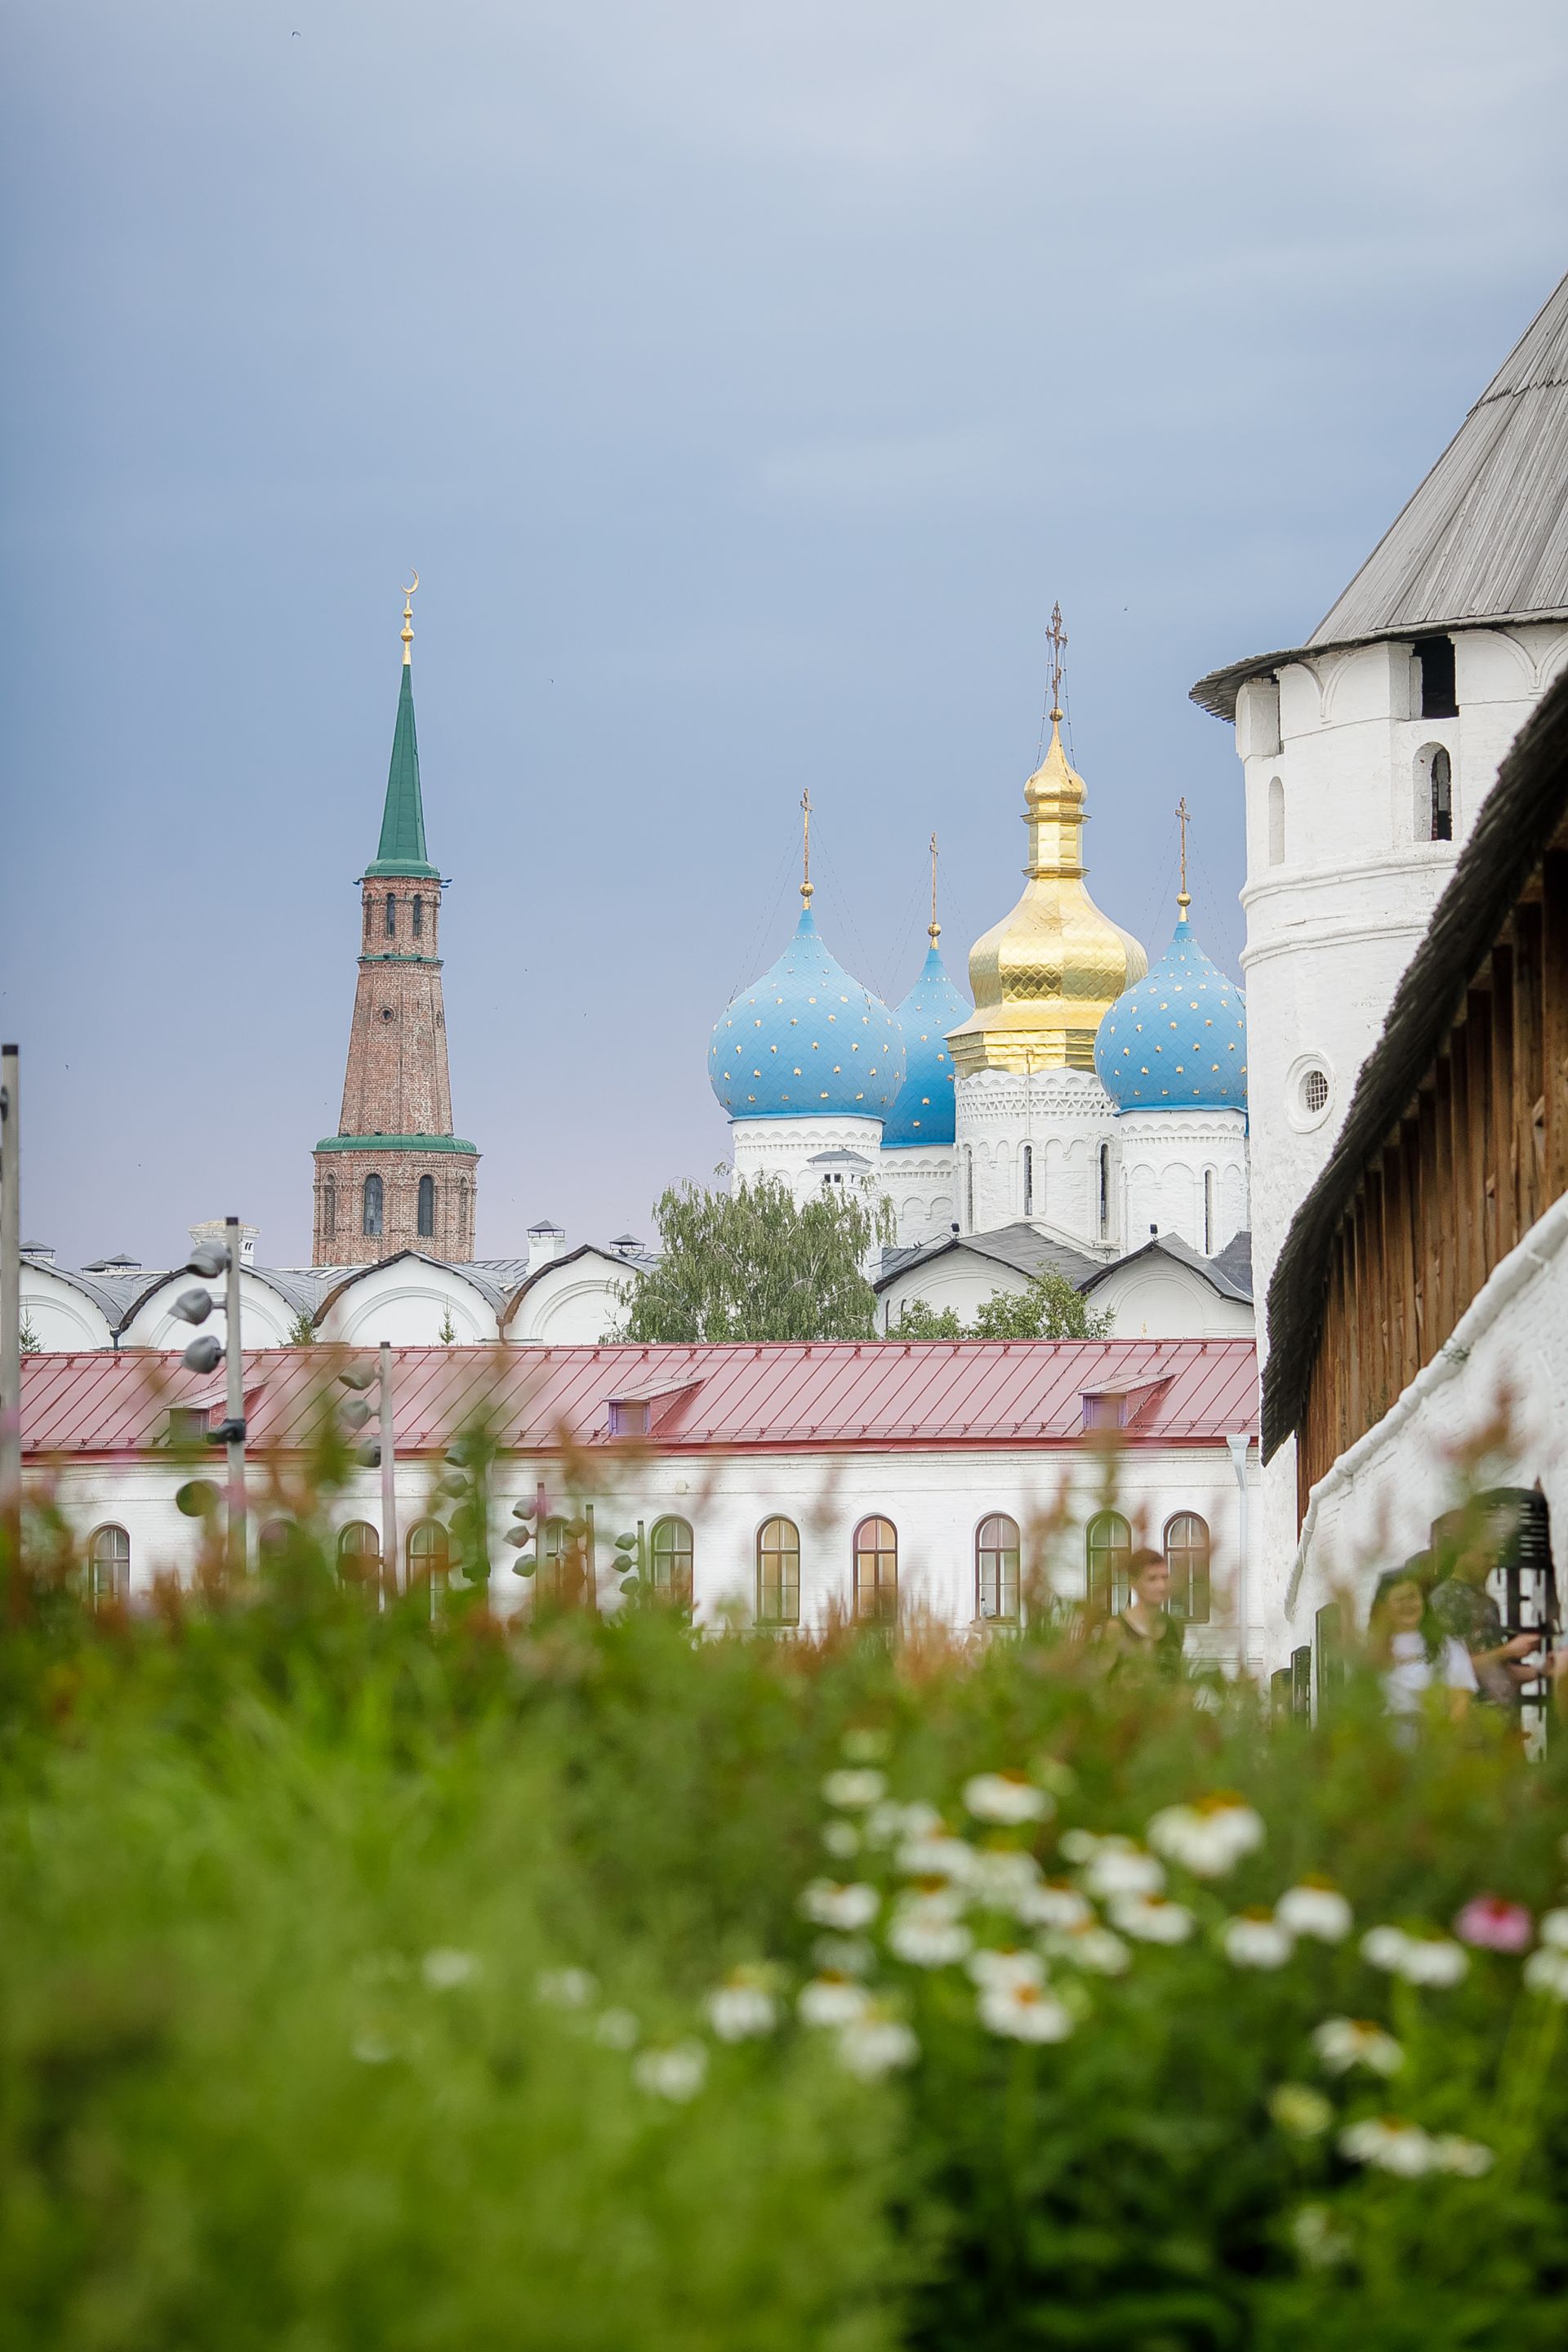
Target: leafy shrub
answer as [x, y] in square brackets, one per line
[376, 1978]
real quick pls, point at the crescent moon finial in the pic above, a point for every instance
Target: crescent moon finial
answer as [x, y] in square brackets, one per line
[408, 620]
[412, 586]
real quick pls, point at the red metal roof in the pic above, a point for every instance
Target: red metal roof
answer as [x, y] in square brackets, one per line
[824, 1393]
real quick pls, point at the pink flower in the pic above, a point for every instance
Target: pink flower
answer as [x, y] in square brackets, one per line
[1494, 1925]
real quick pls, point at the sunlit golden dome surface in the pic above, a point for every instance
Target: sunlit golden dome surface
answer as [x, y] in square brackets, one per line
[1044, 978]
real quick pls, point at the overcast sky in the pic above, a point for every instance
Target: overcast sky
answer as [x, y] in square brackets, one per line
[745, 381]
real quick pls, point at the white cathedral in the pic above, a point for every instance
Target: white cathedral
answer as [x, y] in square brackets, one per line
[1085, 1108]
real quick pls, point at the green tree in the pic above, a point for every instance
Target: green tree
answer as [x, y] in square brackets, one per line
[1051, 1308]
[754, 1264]
[918, 1319]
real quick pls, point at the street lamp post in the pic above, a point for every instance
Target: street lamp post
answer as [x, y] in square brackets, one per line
[205, 1354]
[10, 1308]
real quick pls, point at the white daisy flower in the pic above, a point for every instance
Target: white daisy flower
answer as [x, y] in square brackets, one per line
[1149, 1921]
[887, 1823]
[1081, 1845]
[678, 2073]
[1007, 1798]
[1468, 2158]
[1299, 2110]
[566, 1988]
[936, 1854]
[1025, 2012]
[874, 2044]
[1209, 1838]
[1390, 2145]
[1317, 2241]
[1094, 1948]
[1342, 2042]
[842, 1840]
[1119, 1866]
[927, 1932]
[1254, 1940]
[1316, 1909]
[1054, 1905]
[1554, 1930]
[1003, 1878]
[617, 2029]
[854, 1790]
[446, 1967]
[831, 1905]
[742, 2007]
[994, 1971]
[1547, 1971]
[832, 2001]
[1419, 1959]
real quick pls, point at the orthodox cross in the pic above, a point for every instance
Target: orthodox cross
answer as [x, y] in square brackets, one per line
[805, 850]
[1058, 638]
[1184, 899]
[934, 928]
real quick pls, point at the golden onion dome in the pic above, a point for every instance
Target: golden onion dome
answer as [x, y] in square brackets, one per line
[1046, 976]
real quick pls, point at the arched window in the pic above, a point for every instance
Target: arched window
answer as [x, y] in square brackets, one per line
[371, 1222]
[1108, 1545]
[1276, 822]
[669, 1553]
[108, 1565]
[419, 916]
[369, 909]
[390, 918]
[273, 1540]
[877, 1571]
[429, 1553]
[358, 1557]
[778, 1573]
[427, 1206]
[329, 1208]
[1434, 819]
[1187, 1553]
[563, 1572]
[968, 1189]
[997, 1548]
[1029, 1180]
[1208, 1213]
[1104, 1190]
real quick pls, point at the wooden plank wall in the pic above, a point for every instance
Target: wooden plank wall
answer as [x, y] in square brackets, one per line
[1477, 1156]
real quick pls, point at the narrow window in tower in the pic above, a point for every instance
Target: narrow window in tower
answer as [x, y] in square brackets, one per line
[1276, 822]
[1104, 1190]
[968, 1189]
[1029, 1180]
[1436, 655]
[371, 1222]
[390, 918]
[419, 916]
[426, 1199]
[1208, 1213]
[368, 905]
[1442, 796]
[329, 1208]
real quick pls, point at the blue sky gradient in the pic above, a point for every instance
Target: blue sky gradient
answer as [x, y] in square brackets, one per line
[745, 381]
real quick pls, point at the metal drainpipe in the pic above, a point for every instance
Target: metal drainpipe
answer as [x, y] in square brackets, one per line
[1239, 1448]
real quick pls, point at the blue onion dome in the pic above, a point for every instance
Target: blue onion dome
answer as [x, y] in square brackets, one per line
[924, 1111]
[806, 1040]
[1177, 1039]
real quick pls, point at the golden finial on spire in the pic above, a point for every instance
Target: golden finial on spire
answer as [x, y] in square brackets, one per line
[933, 927]
[1184, 899]
[1058, 638]
[408, 620]
[805, 850]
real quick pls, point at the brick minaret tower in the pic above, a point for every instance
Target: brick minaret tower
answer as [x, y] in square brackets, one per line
[394, 1176]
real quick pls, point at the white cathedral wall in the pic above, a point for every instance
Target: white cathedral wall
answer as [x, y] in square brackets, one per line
[1064, 1118]
[781, 1150]
[265, 1319]
[917, 1182]
[1183, 1172]
[573, 1304]
[960, 1279]
[60, 1316]
[407, 1301]
[1151, 1298]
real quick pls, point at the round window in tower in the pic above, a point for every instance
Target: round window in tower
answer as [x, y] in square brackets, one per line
[1308, 1091]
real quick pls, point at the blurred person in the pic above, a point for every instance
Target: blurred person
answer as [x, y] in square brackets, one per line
[1146, 1629]
[1464, 1608]
[1411, 1649]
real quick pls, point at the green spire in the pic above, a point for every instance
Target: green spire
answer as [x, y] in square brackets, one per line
[402, 849]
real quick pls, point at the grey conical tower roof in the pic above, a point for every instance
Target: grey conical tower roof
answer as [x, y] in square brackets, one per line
[1485, 538]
